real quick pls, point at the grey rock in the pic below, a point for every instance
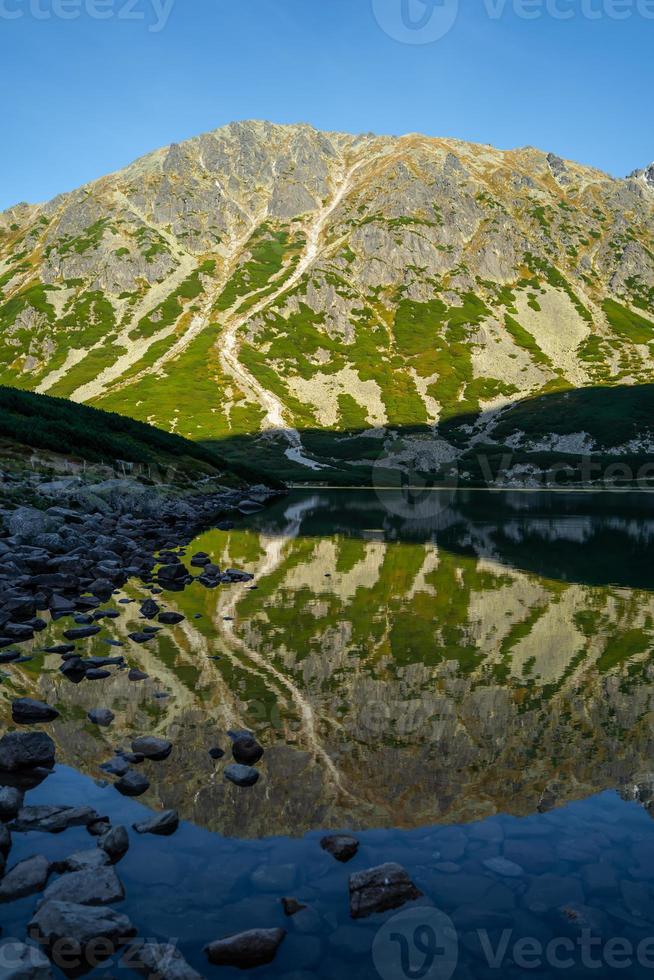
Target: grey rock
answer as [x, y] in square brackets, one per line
[101, 716]
[163, 824]
[26, 750]
[82, 925]
[116, 766]
[89, 860]
[115, 842]
[27, 711]
[378, 889]
[11, 800]
[132, 784]
[241, 775]
[152, 747]
[256, 947]
[25, 878]
[53, 819]
[97, 886]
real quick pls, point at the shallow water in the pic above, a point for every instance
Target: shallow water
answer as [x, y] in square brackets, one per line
[457, 677]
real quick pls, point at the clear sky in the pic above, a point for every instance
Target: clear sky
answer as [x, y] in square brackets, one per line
[89, 85]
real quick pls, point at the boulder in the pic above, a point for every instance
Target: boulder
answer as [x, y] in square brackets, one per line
[81, 632]
[241, 775]
[81, 925]
[137, 675]
[159, 960]
[255, 947]
[141, 637]
[150, 608]
[164, 824]
[26, 750]
[132, 784]
[25, 878]
[116, 766]
[170, 618]
[341, 846]
[96, 886]
[20, 961]
[11, 800]
[101, 716]
[53, 819]
[246, 750]
[115, 843]
[387, 886]
[152, 747]
[89, 860]
[27, 711]
[94, 674]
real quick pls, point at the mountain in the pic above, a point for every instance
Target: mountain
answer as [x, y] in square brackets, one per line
[265, 277]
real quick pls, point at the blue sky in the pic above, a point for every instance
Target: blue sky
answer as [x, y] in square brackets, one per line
[83, 96]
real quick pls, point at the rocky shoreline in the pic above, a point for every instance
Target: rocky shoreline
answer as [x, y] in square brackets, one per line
[81, 541]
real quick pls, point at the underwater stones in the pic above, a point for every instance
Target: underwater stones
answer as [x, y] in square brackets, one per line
[252, 948]
[343, 847]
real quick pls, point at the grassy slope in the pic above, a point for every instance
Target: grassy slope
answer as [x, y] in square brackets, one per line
[56, 425]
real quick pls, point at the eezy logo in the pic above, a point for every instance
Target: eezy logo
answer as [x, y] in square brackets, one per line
[416, 21]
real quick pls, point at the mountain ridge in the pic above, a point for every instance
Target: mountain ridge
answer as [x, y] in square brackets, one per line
[271, 278]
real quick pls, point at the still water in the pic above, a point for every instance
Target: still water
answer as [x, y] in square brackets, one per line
[458, 678]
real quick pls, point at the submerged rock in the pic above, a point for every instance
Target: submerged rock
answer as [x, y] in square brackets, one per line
[255, 947]
[26, 750]
[341, 846]
[21, 961]
[159, 960]
[378, 889]
[291, 906]
[164, 824]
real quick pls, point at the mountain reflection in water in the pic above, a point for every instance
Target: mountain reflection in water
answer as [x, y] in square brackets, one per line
[405, 662]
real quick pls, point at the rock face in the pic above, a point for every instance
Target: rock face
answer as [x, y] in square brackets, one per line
[387, 886]
[26, 750]
[341, 846]
[502, 263]
[83, 925]
[159, 960]
[255, 947]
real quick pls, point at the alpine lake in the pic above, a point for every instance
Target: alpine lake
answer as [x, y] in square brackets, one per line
[464, 681]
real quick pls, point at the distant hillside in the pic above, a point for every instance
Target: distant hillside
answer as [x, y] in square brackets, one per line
[55, 425]
[276, 277]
